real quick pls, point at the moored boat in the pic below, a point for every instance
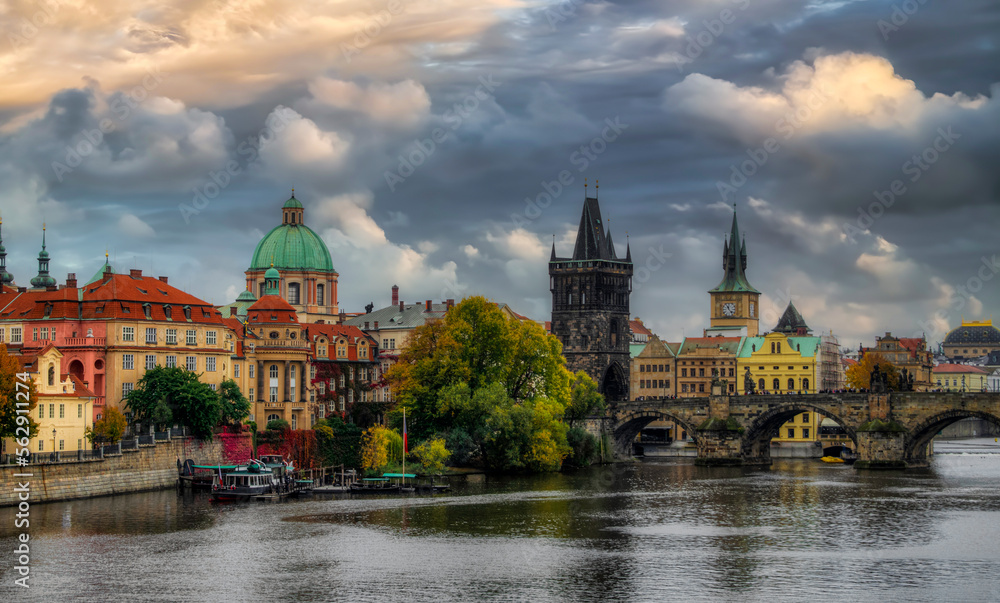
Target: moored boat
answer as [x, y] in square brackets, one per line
[244, 483]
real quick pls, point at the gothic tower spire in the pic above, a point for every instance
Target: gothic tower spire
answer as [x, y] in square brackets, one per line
[6, 278]
[43, 279]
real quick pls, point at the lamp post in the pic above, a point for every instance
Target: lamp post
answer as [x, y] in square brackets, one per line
[53, 443]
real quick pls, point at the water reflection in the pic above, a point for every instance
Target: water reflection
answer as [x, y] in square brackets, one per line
[640, 531]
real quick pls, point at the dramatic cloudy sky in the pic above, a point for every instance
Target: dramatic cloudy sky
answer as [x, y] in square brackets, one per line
[326, 97]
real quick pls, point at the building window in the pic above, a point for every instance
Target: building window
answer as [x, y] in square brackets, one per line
[684, 372]
[1, 334]
[274, 371]
[126, 389]
[128, 362]
[236, 370]
[150, 335]
[362, 350]
[171, 336]
[45, 333]
[210, 338]
[171, 362]
[191, 363]
[805, 384]
[274, 393]
[777, 384]
[701, 372]
[251, 395]
[62, 411]
[214, 386]
[341, 380]
[34, 334]
[791, 433]
[41, 445]
[79, 411]
[805, 433]
[41, 411]
[192, 337]
[128, 333]
[805, 417]
[295, 422]
[701, 388]
[642, 368]
[150, 361]
[760, 384]
[320, 295]
[250, 368]
[731, 372]
[684, 387]
[272, 417]
[15, 334]
[341, 404]
[791, 384]
[210, 364]
[293, 293]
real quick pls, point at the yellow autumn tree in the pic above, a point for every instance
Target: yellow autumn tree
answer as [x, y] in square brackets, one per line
[859, 375]
[15, 387]
[374, 447]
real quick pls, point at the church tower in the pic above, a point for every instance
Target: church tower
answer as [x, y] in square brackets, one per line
[735, 303]
[590, 304]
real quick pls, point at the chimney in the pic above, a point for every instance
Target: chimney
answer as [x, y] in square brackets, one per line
[449, 304]
[232, 311]
[366, 325]
[395, 294]
[51, 288]
[163, 279]
[402, 306]
[71, 280]
[135, 273]
[376, 325]
[341, 317]
[428, 306]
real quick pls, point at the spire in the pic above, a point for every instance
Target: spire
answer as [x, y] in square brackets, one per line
[553, 256]
[6, 278]
[591, 240]
[734, 261]
[43, 279]
[791, 322]
[628, 249]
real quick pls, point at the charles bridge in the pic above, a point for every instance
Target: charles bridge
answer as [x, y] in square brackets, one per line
[891, 430]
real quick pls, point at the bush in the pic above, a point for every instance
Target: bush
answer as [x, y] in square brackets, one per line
[463, 448]
[278, 425]
[432, 455]
[584, 447]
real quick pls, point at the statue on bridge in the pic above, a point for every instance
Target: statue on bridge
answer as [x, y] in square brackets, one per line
[877, 381]
[749, 387]
[906, 381]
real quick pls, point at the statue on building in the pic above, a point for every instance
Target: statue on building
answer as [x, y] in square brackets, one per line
[749, 387]
[369, 307]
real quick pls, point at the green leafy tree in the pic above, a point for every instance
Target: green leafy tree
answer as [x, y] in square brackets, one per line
[277, 425]
[189, 401]
[339, 443]
[432, 455]
[584, 447]
[585, 401]
[235, 406]
[109, 428]
[11, 393]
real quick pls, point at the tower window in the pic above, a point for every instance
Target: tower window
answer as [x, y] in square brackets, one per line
[320, 290]
[293, 293]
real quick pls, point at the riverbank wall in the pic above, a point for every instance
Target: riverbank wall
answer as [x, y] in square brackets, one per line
[146, 467]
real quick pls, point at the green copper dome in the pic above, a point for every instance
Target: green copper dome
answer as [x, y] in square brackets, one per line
[292, 247]
[247, 295]
[292, 203]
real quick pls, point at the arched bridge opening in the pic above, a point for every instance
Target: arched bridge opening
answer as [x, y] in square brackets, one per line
[630, 425]
[756, 444]
[918, 438]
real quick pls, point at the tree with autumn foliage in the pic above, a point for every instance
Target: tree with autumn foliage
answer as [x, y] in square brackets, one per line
[859, 375]
[486, 383]
[375, 448]
[16, 386]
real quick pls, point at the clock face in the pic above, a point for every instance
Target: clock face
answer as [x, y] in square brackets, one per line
[729, 309]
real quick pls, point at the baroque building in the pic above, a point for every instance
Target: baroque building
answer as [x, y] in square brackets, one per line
[308, 281]
[972, 339]
[590, 304]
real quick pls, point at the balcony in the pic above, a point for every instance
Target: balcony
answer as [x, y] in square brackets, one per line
[84, 341]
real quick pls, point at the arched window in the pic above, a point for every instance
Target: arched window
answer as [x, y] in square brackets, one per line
[779, 347]
[272, 417]
[293, 293]
[777, 385]
[320, 297]
[772, 347]
[274, 371]
[791, 384]
[805, 384]
[52, 375]
[760, 384]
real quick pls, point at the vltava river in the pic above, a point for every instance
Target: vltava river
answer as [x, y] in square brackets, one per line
[655, 530]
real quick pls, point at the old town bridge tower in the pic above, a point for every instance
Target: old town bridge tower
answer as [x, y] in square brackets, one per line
[590, 304]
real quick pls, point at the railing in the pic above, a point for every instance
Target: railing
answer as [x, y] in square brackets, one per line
[84, 341]
[161, 436]
[130, 444]
[111, 449]
[146, 440]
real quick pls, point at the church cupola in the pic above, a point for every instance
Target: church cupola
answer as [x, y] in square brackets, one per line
[271, 278]
[291, 211]
[43, 279]
[734, 300]
[6, 278]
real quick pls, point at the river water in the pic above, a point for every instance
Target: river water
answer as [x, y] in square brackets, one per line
[653, 530]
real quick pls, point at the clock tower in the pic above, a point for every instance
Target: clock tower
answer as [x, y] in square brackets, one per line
[735, 303]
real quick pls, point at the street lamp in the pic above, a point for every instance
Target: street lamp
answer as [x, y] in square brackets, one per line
[53, 443]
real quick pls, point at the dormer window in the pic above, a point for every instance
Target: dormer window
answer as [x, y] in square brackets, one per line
[168, 311]
[187, 312]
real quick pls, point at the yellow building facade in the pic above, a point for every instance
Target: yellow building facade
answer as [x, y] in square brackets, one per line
[64, 411]
[780, 364]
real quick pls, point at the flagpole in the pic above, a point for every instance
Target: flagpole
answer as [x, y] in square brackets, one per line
[404, 446]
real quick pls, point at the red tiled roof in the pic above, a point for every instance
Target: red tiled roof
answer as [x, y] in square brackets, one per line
[270, 306]
[638, 328]
[848, 361]
[81, 390]
[958, 368]
[332, 332]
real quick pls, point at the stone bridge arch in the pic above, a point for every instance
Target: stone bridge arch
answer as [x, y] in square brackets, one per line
[628, 426]
[756, 441]
[920, 435]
